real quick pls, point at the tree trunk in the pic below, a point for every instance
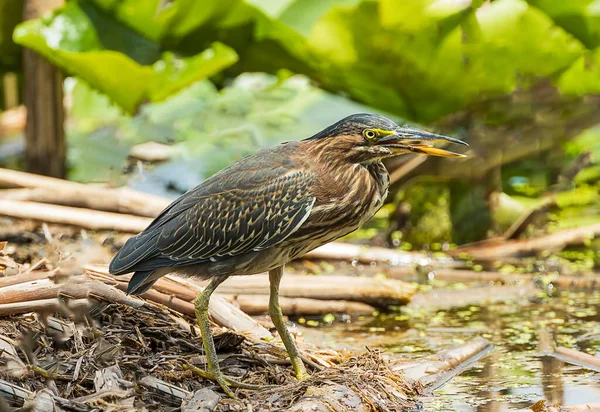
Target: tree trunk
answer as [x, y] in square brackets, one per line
[45, 137]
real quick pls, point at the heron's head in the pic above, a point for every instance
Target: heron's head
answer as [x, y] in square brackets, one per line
[363, 138]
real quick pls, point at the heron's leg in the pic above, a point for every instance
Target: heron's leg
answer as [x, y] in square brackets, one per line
[201, 306]
[277, 318]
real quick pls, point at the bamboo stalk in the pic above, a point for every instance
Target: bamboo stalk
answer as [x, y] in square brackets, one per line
[224, 313]
[250, 304]
[47, 289]
[577, 357]
[44, 305]
[59, 191]
[372, 291]
[259, 305]
[447, 299]
[25, 277]
[554, 241]
[169, 301]
[436, 369]
[171, 288]
[350, 252]
[584, 281]
[85, 218]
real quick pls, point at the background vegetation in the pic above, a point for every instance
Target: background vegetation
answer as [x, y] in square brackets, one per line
[216, 79]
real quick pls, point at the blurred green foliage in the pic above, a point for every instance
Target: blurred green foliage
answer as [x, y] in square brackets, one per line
[209, 128]
[429, 220]
[81, 41]
[420, 59]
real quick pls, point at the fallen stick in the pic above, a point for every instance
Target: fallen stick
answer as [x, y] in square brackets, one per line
[44, 294]
[45, 305]
[259, 305]
[359, 291]
[437, 369]
[523, 221]
[456, 275]
[222, 312]
[547, 347]
[554, 241]
[447, 299]
[585, 281]
[97, 220]
[170, 301]
[76, 288]
[364, 254]
[172, 292]
[577, 282]
[577, 358]
[405, 168]
[64, 192]
[85, 218]
[372, 291]
[25, 277]
[226, 314]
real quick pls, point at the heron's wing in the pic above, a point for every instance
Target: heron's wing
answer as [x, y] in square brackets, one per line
[238, 221]
[239, 210]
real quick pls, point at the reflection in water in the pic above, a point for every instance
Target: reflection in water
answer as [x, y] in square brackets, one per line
[514, 375]
[552, 383]
[489, 373]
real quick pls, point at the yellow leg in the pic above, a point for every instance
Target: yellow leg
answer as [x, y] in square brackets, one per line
[214, 372]
[201, 306]
[277, 318]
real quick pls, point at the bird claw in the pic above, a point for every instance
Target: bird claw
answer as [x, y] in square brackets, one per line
[224, 382]
[302, 376]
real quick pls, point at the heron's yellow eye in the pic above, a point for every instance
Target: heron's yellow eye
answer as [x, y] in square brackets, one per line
[370, 134]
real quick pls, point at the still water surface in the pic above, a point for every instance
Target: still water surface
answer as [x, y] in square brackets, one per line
[514, 375]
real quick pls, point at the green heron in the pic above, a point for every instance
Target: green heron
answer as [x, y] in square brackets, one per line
[269, 208]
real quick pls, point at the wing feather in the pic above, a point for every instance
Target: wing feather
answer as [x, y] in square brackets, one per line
[239, 221]
[251, 206]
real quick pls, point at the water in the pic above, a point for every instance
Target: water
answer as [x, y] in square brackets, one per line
[514, 375]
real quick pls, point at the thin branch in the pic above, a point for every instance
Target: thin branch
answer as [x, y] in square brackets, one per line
[64, 192]
[85, 218]
[555, 241]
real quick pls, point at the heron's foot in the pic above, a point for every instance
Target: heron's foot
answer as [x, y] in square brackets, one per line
[302, 376]
[300, 369]
[224, 382]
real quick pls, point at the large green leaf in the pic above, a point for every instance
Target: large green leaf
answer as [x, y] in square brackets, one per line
[168, 21]
[581, 18]
[419, 59]
[412, 67]
[71, 38]
[138, 15]
[172, 74]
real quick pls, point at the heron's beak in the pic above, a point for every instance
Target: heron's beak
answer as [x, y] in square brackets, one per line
[406, 140]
